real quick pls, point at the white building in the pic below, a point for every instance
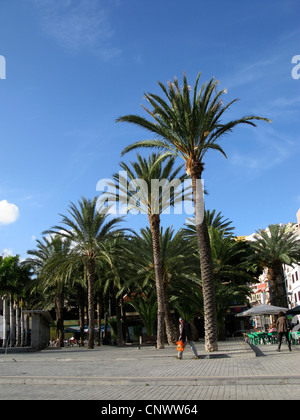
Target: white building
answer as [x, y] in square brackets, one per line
[292, 278]
[292, 284]
[261, 291]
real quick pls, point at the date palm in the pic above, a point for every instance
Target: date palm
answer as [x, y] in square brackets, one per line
[86, 228]
[45, 262]
[275, 246]
[141, 174]
[189, 125]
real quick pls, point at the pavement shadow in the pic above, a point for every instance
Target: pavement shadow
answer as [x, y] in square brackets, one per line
[257, 351]
[214, 356]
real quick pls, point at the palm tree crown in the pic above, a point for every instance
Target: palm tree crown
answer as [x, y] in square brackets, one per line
[185, 125]
[142, 192]
[275, 246]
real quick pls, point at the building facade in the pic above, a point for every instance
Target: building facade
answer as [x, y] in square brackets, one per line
[261, 290]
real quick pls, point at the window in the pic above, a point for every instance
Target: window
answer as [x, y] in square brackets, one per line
[296, 275]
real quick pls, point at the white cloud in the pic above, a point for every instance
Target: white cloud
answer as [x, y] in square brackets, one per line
[9, 212]
[7, 253]
[271, 149]
[253, 71]
[77, 26]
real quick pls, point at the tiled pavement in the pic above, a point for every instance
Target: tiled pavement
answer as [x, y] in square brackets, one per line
[107, 373]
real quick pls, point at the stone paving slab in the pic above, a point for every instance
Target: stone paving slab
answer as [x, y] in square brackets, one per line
[236, 370]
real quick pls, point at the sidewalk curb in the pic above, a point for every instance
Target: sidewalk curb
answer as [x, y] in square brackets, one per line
[143, 381]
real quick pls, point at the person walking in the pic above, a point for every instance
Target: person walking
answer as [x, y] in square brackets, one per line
[185, 335]
[283, 330]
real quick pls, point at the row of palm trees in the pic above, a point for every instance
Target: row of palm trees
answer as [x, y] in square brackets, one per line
[89, 241]
[124, 264]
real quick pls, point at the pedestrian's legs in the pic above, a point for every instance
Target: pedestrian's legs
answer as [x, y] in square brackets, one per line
[191, 343]
[288, 340]
[280, 335]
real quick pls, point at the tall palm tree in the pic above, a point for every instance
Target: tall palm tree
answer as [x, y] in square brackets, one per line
[46, 262]
[152, 202]
[275, 246]
[190, 127]
[86, 228]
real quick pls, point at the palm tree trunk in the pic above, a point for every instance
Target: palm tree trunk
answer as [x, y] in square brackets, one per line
[154, 227]
[105, 333]
[59, 306]
[27, 330]
[170, 328]
[91, 315]
[275, 276]
[81, 321]
[206, 265]
[5, 320]
[81, 303]
[22, 328]
[98, 335]
[124, 322]
[120, 340]
[18, 325]
[12, 322]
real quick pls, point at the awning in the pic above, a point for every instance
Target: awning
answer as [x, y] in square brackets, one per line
[294, 311]
[263, 309]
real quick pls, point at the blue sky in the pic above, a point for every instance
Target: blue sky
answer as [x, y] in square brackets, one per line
[74, 66]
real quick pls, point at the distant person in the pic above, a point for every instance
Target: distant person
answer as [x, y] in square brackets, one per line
[273, 332]
[283, 330]
[185, 335]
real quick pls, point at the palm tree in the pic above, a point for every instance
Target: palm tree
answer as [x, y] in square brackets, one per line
[275, 246]
[152, 202]
[15, 280]
[190, 127]
[114, 272]
[46, 262]
[77, 295]
[213, 220]
[86, 227]
[145, 304]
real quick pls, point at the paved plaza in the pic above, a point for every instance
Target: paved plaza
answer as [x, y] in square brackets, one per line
[235, 372]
